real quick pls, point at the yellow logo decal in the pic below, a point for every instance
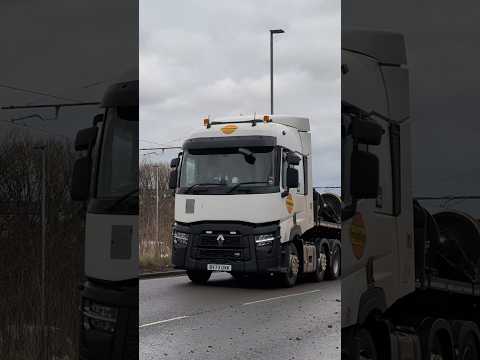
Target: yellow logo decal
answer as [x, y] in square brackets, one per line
[229, 129]
[358, 235]
[289, 203]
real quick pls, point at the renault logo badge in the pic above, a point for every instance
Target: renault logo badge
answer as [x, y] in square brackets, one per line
[220, 240]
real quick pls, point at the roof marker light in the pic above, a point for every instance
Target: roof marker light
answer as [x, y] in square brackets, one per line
[206, 122]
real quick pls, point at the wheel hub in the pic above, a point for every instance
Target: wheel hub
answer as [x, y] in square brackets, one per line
[294, 264]
[322, 262]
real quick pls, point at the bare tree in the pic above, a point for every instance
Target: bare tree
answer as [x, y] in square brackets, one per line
[20, 250]
[155, 248]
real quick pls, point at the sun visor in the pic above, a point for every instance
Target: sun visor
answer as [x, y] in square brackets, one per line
[230, 141]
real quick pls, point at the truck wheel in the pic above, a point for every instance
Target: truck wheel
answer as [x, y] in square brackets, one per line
[322, 265]
[334, 265]
[199, 277]
[436, 339]
[467, 340]
[366, 346]
[289, 278]
[469, 349]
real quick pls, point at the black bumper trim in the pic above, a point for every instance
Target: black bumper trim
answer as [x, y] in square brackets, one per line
[254, 260]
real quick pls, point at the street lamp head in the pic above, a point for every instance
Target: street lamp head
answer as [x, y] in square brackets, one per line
[277, 31]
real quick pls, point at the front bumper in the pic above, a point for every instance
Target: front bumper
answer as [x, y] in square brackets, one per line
[123, 342]
[238, 248]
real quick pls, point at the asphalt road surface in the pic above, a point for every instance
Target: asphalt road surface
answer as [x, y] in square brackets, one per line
[227, 320]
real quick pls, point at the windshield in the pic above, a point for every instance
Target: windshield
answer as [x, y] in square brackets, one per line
[118, 167]
[229, 170]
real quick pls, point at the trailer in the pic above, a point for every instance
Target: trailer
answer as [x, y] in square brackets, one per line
[410, 285]
[245, 203]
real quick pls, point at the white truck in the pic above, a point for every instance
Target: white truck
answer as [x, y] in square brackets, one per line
[410, 278]
[106, 177]
[245, 203]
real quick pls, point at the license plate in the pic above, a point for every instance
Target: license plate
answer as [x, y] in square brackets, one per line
[219, 267]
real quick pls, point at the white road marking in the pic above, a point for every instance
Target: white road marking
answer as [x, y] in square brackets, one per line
[281, 297]
[163, 321]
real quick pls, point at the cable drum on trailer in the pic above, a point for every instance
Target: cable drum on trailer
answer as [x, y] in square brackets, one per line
[455, 253]
[329, 207]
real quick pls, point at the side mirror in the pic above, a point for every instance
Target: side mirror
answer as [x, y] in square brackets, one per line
[97, 119]
[364, 175]
[174, 163]
[367, 132]
[292, 178]
[82, 170]
[85, 138]
[172, 181]
[293, 159]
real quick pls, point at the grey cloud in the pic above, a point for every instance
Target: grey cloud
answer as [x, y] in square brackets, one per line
[212, 58]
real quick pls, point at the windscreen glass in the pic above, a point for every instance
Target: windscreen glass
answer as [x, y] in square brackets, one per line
[229, 170]
[118, 167]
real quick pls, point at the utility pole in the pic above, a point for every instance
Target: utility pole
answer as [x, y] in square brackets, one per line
[277, 31]
[43, 260]
[156, 217]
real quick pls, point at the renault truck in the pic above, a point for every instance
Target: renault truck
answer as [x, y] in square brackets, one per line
[245, 203]
[410, 276]
[105, 178]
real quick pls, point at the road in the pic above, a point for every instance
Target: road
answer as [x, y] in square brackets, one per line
[228, 320]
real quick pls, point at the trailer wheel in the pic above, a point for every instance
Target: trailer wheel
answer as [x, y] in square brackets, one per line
[467, 340]
[334, 265]
[469, 349]
[322, 265]
[289, 278]
[366, 346]
[436, 339]
[199, 277]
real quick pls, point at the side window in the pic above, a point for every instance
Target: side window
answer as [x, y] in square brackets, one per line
[284, 169]
[190, 171]
[301, 177]
[305, 175]
[347, 148]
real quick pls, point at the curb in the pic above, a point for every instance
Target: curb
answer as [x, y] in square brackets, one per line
[160, 274]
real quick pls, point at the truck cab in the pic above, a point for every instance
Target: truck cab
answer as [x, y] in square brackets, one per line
[244, 200]
[377, 222]
[106, 178]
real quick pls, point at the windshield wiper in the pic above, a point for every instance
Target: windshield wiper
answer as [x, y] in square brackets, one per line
[246, 183]
[202, 184]
[122, 199]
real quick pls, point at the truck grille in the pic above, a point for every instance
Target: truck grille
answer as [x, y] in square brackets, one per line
[210, 240]
[230, 254]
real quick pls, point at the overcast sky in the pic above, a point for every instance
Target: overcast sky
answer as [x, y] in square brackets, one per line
[73, 51]
[443, 56]
[201, 58]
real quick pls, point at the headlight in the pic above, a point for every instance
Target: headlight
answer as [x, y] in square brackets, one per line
[180, 238]
[264, 239]
[99, 316]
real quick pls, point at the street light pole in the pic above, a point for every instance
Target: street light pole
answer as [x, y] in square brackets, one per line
[157, 237]
[44, 221]
[277, 31]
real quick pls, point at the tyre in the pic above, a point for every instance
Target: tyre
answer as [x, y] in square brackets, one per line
[366, 346]
[436, 339]
[199, 277]
[334, 264]
[467, 341]
[289, 278]
[322, 265]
